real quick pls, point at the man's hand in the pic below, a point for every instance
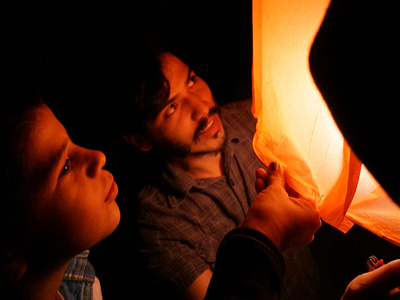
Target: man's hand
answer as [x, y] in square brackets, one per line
[287, 221]
[381, 283]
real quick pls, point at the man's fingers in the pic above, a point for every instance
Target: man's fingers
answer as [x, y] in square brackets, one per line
[260, 185]
[273, 175]
[261, 174]
[261, 180]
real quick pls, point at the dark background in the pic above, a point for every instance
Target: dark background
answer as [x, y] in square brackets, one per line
[81, 51]
[80, 38]
[75, 49]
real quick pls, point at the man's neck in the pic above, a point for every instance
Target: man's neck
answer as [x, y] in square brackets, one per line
[201, 166]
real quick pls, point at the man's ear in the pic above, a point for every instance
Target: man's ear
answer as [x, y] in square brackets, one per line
[139, 142]
[12, 268]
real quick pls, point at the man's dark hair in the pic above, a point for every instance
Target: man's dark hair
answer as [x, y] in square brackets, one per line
[147, 90]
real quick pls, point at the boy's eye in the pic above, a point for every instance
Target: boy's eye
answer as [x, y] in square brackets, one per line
[65, 168]
[170, 109]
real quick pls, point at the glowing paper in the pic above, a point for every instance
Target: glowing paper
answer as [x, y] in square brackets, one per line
[296, 129]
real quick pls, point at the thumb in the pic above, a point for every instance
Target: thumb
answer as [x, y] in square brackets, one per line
[275, 175]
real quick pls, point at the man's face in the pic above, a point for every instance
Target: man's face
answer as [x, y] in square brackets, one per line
[69, 199]
[189, 123]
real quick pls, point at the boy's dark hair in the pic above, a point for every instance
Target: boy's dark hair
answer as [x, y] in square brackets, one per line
[16, 118]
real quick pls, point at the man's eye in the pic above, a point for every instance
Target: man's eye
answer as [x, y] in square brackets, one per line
[170, 109]
[192, 80]
[65, 168]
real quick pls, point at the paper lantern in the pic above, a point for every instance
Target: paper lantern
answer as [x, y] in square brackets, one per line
[296, 129]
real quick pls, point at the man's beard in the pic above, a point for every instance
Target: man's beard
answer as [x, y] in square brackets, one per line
[183, 150]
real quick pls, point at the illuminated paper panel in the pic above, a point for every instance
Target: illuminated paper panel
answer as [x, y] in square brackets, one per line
[296, 129]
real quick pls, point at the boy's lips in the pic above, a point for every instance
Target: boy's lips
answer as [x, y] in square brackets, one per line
[113, 192]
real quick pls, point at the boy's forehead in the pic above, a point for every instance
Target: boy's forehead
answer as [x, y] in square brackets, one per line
[47, 142]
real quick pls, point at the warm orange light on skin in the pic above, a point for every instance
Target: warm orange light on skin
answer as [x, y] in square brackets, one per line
[295, 127]
[72, 203]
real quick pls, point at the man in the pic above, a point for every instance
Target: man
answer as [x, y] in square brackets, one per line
[207, 179]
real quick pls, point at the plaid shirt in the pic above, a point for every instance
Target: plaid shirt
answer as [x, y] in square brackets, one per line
[182, 220]
[78, 279]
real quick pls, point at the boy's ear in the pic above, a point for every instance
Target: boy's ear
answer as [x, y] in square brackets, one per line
[139, 142]
[12, 268]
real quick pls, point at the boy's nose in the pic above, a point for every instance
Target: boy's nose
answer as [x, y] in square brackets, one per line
[96, 160]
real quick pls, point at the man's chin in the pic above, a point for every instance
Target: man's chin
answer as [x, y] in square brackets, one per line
[182, 151]
[211, 150]
[206, 153]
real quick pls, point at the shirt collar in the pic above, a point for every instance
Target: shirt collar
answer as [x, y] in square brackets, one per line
[180, 183]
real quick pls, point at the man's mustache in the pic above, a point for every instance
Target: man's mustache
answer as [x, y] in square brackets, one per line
[203, 122]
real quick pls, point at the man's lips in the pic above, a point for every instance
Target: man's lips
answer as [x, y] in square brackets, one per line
[209, 128]
[208, 125]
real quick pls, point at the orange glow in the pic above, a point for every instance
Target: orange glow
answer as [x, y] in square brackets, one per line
[296, 129]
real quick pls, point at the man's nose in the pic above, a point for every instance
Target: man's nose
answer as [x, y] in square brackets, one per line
[199, 108]
[96, 161]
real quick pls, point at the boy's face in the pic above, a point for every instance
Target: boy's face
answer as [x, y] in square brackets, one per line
[189, 123]
[71, 198]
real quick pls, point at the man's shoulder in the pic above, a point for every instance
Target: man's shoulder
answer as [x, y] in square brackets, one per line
[241, 105]
[237, 115]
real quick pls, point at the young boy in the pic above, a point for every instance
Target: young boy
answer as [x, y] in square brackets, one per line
[56, 201]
